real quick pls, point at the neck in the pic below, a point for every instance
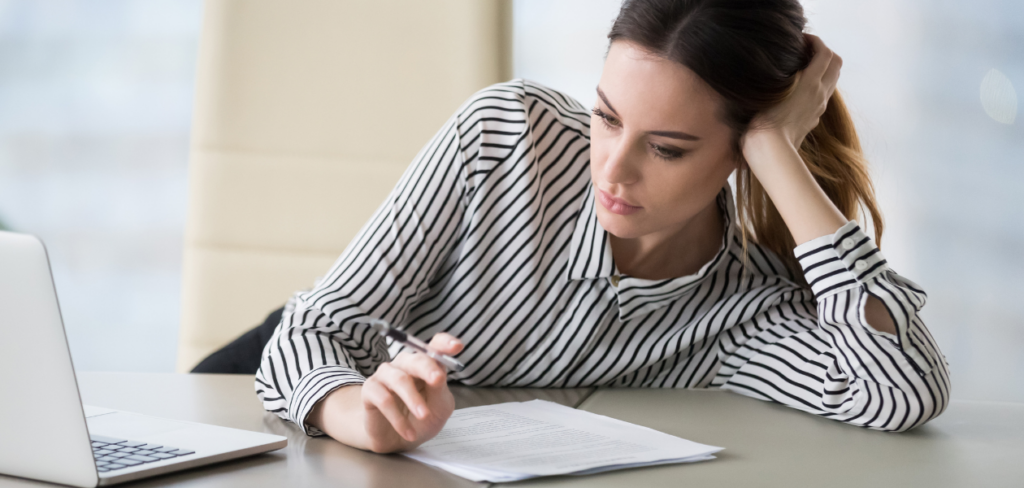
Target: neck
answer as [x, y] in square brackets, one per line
[672, 253]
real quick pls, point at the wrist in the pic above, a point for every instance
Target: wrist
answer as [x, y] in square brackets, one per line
[340, 415]
[773, 159]
[762, 143]
[803, 205]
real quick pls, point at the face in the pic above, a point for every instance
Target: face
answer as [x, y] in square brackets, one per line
[658, 152]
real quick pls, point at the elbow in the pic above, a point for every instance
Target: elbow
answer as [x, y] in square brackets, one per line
[927, 398]
[929, 409]
[893, 409]
[937, 407]
[935, 399]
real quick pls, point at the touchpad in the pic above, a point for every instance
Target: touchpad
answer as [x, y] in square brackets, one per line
[124, 425]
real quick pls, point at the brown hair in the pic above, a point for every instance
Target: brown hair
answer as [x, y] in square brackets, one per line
[750, 52]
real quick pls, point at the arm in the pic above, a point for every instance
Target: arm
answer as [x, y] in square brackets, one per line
[321, 348]
[808, 212]
[828, 359]
[864, 356]
[770, 148]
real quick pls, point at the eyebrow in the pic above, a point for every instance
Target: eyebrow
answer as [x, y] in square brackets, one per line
[606, 102]
[674, 135]
[663, 133]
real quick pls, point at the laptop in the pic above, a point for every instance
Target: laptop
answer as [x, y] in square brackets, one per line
[45, 431]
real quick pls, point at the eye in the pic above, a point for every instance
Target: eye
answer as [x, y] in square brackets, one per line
[665, 153]
[609, 121]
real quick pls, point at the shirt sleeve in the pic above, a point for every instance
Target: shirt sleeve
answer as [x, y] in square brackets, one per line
[322, 344]
[827, 360]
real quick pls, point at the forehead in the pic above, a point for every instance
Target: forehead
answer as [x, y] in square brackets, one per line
[656, 93]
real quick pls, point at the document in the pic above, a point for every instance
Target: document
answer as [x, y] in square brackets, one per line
[519, 440]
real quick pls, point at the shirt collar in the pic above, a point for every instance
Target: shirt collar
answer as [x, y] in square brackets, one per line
[590, 253]
[590, 257]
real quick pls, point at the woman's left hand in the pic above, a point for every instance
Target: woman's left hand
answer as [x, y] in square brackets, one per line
[794, 117]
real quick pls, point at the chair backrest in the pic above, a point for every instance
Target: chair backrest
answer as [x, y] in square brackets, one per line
[306, 114]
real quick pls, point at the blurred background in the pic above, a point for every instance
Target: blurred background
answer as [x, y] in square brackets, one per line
[96, 101]
[95, 107]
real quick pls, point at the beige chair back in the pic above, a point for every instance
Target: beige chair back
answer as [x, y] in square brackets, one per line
[306, 114]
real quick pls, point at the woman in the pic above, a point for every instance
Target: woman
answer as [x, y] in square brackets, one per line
[568, 249]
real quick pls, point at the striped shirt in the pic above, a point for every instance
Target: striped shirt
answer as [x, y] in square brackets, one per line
[491, 235]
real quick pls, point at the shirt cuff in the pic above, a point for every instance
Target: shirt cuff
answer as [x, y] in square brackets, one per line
[838, 262]
[313, 387]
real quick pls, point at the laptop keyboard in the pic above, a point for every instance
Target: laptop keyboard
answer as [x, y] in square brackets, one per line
[113, 454]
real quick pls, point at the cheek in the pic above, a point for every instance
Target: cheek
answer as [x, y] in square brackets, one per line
[598, 153]
[671, 188]
[687, 186]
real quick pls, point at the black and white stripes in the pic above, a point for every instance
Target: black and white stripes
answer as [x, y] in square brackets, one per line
[491, 235]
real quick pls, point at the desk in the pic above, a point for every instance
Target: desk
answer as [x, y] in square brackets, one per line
[972, 444]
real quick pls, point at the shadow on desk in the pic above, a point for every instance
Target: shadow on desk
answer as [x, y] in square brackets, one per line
[475, 397]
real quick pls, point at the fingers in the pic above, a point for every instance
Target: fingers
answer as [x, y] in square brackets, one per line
[831, 76]
[422, 367]
[395, 390]
[377, 396]
[403, 384]
[821, 60]
[446, 343]
[824, 66]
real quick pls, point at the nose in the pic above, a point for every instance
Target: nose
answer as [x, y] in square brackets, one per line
[619, 168]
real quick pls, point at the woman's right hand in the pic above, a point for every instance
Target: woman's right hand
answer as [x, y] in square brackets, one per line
[404, 404]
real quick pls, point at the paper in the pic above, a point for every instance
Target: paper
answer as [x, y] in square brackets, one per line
[514, 441]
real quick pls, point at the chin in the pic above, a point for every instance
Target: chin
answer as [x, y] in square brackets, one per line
[621, 226]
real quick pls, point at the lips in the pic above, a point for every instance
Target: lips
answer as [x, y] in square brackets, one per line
[616, 205]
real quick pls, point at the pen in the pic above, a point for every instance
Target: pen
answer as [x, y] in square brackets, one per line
[386, 330]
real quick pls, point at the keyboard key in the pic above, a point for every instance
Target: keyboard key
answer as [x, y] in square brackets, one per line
[102, 452]
[144, 452]
[133, 443]
[166, 449]
[129, 462]
[98, 445]
[141, 459]
[101, 463]
[120, 454]
[128, 449]
[151, 447]
[182, 452]
[108, 459]
[162, 455]
[102, 469]
[108, 440]
[112, 466]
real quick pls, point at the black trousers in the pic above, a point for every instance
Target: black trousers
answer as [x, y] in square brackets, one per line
[242, 356]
